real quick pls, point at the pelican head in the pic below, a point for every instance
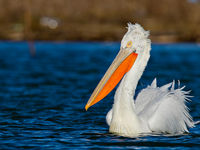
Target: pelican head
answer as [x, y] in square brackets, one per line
[136, 38]
[132, 45]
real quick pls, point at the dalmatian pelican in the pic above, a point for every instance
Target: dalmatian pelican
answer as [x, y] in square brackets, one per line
[155, 109]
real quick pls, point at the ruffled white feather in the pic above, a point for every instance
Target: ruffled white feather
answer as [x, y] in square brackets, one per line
[163, 108]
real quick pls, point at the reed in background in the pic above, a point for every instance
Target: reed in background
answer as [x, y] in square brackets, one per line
[105, 20]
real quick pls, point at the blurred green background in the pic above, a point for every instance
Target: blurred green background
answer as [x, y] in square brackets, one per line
[98, 20]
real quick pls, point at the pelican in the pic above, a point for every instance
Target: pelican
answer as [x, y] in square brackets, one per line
[155, 109]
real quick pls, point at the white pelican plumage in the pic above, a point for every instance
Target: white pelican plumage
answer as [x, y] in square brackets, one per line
[156, 109]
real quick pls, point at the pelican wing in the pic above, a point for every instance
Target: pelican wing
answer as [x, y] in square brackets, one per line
[164, 109]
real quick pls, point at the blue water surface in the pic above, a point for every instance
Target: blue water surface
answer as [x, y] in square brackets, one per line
[42, 97]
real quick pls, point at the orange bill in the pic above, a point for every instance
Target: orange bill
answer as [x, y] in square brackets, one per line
[120, 66]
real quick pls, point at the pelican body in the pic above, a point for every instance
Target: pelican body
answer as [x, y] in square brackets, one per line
[155, 109]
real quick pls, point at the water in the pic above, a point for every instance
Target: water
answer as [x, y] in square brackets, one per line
[42, 98]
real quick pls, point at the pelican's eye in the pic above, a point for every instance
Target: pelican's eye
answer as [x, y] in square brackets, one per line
[129, 44]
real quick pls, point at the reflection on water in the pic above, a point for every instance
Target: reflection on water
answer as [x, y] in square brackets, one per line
[42, 98]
